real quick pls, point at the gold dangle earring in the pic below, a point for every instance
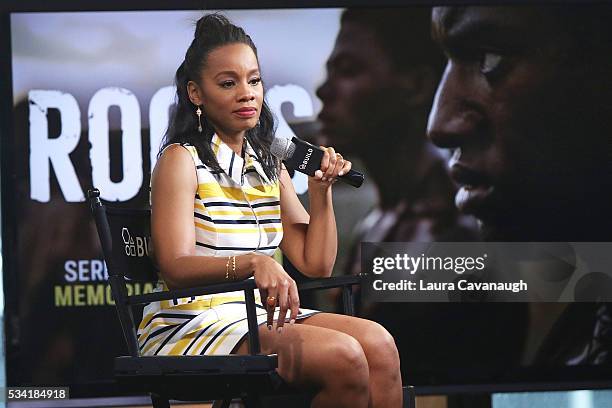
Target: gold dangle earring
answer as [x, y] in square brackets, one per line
[199, 113]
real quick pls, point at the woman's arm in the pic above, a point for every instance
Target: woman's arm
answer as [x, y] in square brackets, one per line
[310, 242]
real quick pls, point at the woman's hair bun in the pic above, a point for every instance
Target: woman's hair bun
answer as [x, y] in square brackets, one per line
[211, 25]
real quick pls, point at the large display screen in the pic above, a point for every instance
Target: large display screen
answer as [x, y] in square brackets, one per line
[92, 94]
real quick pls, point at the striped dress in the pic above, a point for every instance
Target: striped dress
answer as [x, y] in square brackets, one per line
[236, 211]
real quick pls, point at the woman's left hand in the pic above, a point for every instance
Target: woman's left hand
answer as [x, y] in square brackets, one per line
[332, 166]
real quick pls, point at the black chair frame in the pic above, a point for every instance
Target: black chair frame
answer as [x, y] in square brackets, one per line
[195, 378]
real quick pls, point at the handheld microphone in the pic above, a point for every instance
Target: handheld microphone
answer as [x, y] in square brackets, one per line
[305, 157]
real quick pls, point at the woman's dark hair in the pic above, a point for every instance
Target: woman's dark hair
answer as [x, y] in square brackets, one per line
[214, 31]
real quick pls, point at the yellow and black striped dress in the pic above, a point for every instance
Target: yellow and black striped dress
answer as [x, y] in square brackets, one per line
[236, 211]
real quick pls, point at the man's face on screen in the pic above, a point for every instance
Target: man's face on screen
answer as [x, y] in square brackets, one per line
[508, 105]
[360, 77]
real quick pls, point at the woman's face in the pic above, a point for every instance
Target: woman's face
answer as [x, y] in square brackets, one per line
[230, 89]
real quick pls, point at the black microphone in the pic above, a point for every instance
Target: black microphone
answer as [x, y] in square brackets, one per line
[305, 157]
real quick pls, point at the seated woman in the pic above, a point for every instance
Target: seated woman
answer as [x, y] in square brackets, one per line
[221, 205]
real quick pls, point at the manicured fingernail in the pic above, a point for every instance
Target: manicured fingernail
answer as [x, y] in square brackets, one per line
[324, 179]
[279, 329]
[270, 327]
[292, 321]
[341, 173]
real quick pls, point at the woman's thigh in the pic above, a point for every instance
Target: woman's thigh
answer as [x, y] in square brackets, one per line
[353, 326]
[311, 355]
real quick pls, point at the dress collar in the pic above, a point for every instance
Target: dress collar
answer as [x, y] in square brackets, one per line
[231, 163]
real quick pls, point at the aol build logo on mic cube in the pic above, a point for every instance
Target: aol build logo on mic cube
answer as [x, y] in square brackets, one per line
[307, 157]
[487, 272]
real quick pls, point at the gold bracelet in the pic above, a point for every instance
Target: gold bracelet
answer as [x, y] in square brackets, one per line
[227, 265]
[235, 275]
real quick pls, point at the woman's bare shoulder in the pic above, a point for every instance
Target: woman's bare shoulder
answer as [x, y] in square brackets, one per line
[175, 163]
[175, 155]
[176, 151]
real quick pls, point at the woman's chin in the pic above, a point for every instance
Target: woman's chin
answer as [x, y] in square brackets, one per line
[248, 125]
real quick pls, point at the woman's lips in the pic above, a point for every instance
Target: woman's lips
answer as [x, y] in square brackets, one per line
[246, 113]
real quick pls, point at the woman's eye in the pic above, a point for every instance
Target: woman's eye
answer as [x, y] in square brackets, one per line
[489, 62]
[255, 81]
[227, 84]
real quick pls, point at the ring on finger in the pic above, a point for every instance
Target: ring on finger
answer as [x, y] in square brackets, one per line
[271, 301]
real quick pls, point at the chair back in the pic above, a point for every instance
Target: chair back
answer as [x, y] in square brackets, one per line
[125, 236]
[130, 231]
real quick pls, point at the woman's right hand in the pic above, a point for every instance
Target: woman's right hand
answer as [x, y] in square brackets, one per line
[276, 287]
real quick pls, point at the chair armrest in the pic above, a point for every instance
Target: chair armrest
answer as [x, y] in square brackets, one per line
[247, 284]
[346, 282]
[333, 282]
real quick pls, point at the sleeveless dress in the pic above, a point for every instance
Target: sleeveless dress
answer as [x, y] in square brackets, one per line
[236, 211]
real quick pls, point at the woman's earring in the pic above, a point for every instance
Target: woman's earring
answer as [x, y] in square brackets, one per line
[199, 113]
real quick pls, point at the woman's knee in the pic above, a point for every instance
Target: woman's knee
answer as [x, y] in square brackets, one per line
[347, 362]
[380, 348]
